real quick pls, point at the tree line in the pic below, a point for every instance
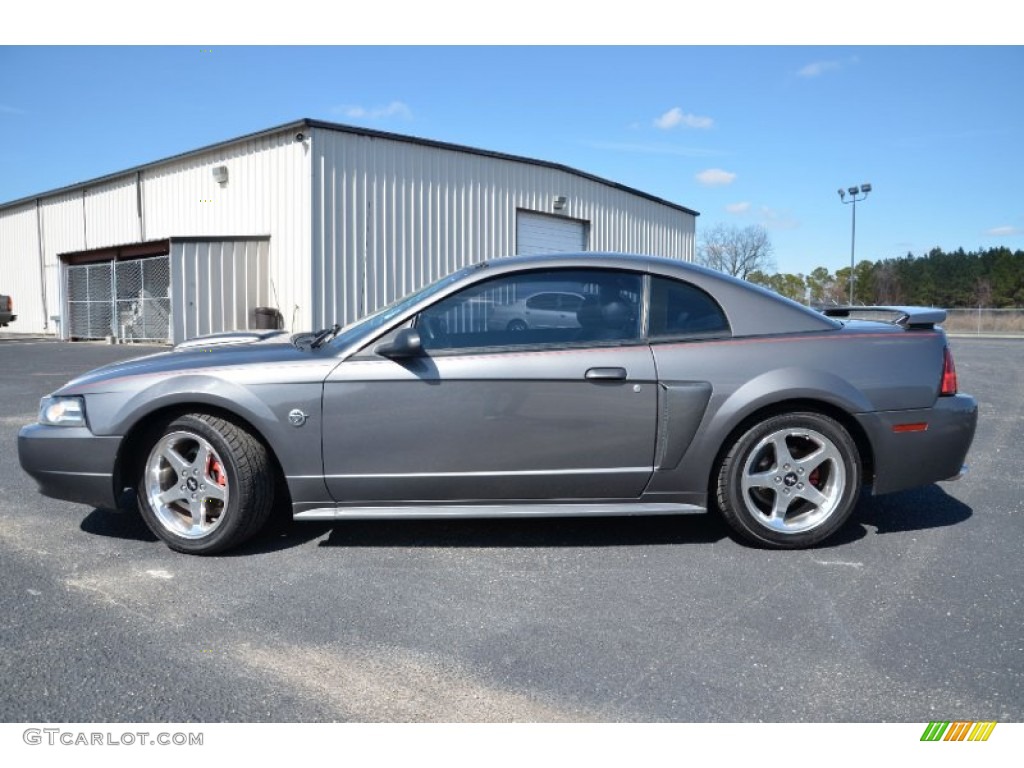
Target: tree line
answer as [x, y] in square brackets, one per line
[992, 278]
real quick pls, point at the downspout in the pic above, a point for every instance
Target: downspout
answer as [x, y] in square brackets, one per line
[365, 278]
[42, 264]
[139, 207]
[85, 225]
[317, 257]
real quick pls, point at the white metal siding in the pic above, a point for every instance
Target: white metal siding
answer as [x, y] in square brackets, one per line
[354, 221]
[390, 216]
[216, 285]
[19, 271]
[539, 233]
[111, 213]
[63, 218]
[268, 194]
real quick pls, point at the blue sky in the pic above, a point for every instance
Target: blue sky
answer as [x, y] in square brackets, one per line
[744, 135]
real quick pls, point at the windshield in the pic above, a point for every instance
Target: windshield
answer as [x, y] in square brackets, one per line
[371, 322]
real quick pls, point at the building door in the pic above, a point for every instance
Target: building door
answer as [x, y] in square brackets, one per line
[542, 233]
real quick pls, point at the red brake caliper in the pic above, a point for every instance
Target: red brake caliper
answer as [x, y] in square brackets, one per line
[215, 471]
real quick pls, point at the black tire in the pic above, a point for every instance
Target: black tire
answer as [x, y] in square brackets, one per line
[790, 481]
[206, 484]
[516, 326]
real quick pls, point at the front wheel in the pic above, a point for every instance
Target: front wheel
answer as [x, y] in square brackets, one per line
[790, 481]
[206, 486]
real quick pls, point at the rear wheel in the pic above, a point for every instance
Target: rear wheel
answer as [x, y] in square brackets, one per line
[206, 485]
[790, 481]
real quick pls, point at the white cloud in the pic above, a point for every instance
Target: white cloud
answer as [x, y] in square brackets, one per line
[675, 117]
[1004, 231]
[818, 68]
[6, 109]
[738, 208]
[356, 112]
[715, 177]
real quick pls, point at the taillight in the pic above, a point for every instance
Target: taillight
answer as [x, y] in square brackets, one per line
[948, 374]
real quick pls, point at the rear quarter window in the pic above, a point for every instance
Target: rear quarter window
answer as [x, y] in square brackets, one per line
[680, 309]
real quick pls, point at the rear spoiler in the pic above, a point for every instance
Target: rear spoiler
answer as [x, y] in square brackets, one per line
[908, 317]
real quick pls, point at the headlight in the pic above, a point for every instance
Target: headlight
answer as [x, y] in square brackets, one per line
[62, 411]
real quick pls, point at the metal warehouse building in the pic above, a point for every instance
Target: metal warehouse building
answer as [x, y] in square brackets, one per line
[322, 222]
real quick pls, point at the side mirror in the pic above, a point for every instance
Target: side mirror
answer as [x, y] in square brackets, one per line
[406, 343]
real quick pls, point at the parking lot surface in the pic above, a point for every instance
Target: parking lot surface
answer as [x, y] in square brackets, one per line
[913, 613]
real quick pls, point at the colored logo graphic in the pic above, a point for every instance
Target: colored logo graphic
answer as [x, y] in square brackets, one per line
[958, 731]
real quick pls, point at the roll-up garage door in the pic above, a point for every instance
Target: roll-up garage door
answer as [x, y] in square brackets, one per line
[541, 233]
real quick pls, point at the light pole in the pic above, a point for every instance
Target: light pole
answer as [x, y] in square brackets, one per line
[853, 192]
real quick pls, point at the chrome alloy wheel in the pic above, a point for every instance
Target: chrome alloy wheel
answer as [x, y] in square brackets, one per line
[186, 485]
[793, 480]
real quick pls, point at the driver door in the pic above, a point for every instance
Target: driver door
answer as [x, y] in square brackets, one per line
[488, 414]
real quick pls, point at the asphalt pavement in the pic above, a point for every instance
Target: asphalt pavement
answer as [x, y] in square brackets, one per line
[912, 614]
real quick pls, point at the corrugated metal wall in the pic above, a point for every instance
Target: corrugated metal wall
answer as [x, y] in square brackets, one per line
[354, 221]
[216, 285]
[111, 213]
[389, 216]
[268, 193]
[63, 218]
[19, 271]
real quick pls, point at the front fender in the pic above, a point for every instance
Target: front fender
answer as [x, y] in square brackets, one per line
[115, 413]
[263, 406]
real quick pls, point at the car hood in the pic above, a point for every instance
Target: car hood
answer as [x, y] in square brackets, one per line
[231, 338]
[206, 354]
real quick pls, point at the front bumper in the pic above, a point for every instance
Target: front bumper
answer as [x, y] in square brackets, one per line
[70, 463]
[909, 459]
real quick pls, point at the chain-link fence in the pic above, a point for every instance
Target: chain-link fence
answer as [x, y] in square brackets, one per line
[143, 304]
[980, 321]
[125, 299]
[90, 300]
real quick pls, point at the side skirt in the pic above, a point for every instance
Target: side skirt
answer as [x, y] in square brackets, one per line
[441, 511]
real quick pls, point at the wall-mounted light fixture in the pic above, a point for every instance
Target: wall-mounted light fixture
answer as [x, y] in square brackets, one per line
[559, 202]
[220, 174]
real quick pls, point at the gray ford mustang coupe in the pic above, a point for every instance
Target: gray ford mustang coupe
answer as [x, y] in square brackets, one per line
[672, 389]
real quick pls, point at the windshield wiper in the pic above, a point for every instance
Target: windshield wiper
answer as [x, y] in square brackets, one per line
[322, 337]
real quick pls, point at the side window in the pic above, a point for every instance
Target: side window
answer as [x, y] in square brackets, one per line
[680, 309]
[556, 307]
[543, 301]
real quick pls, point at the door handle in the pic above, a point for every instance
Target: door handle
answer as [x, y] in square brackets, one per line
[606, 374]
